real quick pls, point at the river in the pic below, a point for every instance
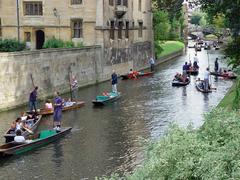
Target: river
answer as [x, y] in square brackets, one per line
[106, 140]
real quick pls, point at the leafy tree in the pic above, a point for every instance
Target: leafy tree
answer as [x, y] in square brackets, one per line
[173, 7]
[161, 25]
[195, 19]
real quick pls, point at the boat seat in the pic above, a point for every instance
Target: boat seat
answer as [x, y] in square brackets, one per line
[102, 98]
[47, 133]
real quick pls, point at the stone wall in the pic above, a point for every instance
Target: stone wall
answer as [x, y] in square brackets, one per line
[50, 69]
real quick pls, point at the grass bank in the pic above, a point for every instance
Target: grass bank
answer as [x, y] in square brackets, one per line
[168, 47]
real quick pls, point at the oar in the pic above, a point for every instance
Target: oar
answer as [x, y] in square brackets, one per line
[70, 85]
[28, 130]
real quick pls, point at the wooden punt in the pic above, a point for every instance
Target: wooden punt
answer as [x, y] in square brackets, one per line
[179, 83]
[103, 100]
[140, 74]
[199, 87]
[38, 140]
[76, 105]
[224, 76]
[10, 134]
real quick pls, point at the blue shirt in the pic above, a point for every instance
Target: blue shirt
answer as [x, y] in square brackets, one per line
[185, 67]
[57, 100]
[114, 78]
[33, 95]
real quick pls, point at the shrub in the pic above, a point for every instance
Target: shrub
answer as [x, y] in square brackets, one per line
[69, 44]
[80, 45]
[11, 45]
[58, 43]
[53, 43]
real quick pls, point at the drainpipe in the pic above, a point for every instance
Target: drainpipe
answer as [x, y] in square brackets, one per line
[18, 26]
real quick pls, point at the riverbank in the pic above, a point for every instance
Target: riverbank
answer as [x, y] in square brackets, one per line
[169, 47]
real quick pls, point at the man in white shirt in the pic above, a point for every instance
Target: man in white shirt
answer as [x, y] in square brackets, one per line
[19, 138]
[206, 79]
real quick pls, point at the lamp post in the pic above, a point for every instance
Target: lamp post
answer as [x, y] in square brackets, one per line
[57, 15]
[18, 26]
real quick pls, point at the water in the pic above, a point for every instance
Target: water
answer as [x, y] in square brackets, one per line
[106, 140]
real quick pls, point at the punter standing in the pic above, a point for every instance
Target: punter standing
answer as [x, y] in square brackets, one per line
[114, 82]
[74, 87]
[57, 116]
[152, 64]
[33, 100]
[206, 79]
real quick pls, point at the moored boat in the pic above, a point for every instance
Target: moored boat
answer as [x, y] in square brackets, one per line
[10, 133]
[139, 74]
[180, 83]
[224, 75]
[38, 140]
[103, 100]
[200, 87]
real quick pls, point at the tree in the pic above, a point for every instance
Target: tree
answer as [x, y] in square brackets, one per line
[173, 7]
[161, 25]
[195, 19]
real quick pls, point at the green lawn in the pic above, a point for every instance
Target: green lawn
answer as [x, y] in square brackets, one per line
[169, 47]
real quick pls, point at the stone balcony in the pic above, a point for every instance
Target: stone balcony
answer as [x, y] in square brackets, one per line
[120, 10]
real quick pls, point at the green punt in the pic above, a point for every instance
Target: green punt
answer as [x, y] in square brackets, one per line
[103, 100]
[38, 140]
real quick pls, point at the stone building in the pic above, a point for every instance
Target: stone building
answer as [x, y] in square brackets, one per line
[110, 23]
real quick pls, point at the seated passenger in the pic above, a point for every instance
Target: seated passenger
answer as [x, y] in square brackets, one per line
[19, 138]
[195, 65]
[133, 74]
[230, 73]
[225, 73]
[48, 105]
[68, 103]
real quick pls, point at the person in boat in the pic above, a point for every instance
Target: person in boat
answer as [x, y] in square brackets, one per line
[74, 87]
[68, 103]
[19, 138]
[225, 73]
[206, 79]
[57, 115]
[48, 105]
[216, 65]
[230, 73]
[185, 69]
[195, 65]
[114, 82]
[133, 74]
[33, 100]
[201, 84]
[106, 94]
[190, 64]
[152, 64]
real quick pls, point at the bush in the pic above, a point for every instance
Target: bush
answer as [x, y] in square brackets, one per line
[53, 43]
[80, 44]
[58, 43]
[11, 45]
